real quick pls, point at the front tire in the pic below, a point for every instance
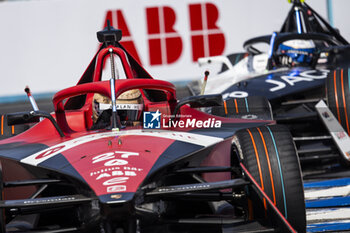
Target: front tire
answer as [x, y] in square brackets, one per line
[269, 154]
[338, 96]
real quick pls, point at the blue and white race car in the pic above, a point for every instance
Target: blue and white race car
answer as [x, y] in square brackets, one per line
[303, 74]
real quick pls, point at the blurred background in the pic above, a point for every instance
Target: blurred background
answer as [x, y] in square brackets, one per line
[47, 44]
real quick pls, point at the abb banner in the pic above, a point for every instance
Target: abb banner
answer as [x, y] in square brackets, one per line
[165, 44]
[54, 41]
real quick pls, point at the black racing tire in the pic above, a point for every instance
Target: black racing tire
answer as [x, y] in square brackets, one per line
[9, 131]
[251, 107]
[338, 96]
[269, 153]
[2, 211]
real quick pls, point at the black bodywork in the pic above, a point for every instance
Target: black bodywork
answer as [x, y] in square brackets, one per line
[293, 91]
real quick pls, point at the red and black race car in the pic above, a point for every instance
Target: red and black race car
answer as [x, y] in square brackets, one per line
[124, 155]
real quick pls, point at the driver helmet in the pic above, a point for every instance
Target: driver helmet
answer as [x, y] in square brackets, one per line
[129, 106]
[300, 52]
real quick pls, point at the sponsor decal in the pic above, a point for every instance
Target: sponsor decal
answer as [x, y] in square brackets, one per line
[347, 154]
[186, 187]
[340, 135]
[250, 116]
[49, 200]
[325, 115]
[284, 81]
[291, 80]
[114, 170]
[115, 189]
[115, 173]
[116, 196]
[165, 42]
[116, 180]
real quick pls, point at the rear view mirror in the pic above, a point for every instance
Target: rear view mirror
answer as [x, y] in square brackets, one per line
[200, 101]
[19, 118]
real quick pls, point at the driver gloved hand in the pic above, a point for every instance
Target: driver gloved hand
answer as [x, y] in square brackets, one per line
[285, 60]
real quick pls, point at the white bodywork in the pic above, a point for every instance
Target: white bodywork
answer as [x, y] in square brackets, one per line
[339, 135]
[247, 68]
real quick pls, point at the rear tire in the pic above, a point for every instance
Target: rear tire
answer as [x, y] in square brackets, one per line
[269, 154]
[2, 211]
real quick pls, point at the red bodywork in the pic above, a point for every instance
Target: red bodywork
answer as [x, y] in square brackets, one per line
[119, 161]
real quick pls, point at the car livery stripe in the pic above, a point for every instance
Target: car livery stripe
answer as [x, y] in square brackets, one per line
[2, 125]
[327, 183]
[18, 150]
[346, 113]
[279, 167]
[349, 81]
[342, 87]
[259, 167]
[336, 95]
[327, 205]
[236, 105]
[246, 104]
[328, 202]
[334, 226]
[329, 214]
[225, 106]
[319, 193]
[177, 150]
[196, 139]
[61, 164]
[269, 164]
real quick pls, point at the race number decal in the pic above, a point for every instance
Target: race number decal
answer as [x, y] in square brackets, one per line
[235, 94]
[49, 152]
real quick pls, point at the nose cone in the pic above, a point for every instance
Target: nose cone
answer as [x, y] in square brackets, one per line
[117, 164]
